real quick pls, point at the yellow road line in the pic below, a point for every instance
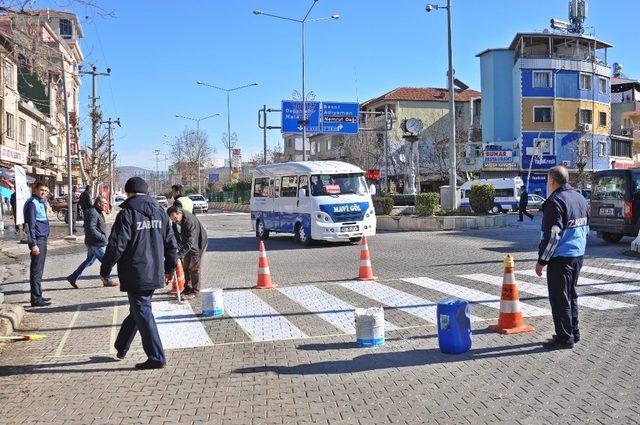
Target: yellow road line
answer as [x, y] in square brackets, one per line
[67, 333]
[114, 323]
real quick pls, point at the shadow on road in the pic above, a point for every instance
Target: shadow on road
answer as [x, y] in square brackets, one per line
[64, 368]
[250, 244]
[389, 360]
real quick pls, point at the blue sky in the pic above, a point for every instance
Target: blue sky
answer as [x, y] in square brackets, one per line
[158, 50]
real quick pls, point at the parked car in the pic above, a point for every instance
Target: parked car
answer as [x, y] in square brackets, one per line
[615, 204]
[162, 201]
[119, 199]
[535, 202]
[200, 204]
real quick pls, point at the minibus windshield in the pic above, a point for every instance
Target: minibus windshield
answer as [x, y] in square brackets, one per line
[337, 184]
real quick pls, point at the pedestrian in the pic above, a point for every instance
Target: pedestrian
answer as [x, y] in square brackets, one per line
[84, 202]
[95, 238]
[523, 204]
[180, 200]
[143, 245]
[565, 226]
[14, 210]
[192, 244]
[37, 229]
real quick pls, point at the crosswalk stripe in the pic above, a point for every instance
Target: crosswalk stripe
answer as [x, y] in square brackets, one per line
[392, 297]
[586, 300]
[335, 311]
[599, 284]
[610, 272]
[474, 295]
[630, 264]
[259, 320]
[178, 325]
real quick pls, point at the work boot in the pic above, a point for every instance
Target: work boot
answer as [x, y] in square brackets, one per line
[576, 338]
[72, 281]
[149, 364]
[40, 303]
[555, 344]
[110, 283]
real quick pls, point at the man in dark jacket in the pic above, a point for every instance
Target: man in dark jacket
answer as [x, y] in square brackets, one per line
[523, 204]
[95, 238]
[37, 229]
[192, 244]
[84, 202]
[144, 247]
[565, 227]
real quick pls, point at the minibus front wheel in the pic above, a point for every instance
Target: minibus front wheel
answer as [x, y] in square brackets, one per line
[261, 232]
[300, 235]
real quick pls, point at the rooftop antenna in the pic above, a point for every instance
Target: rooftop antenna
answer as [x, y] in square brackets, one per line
[578, 11]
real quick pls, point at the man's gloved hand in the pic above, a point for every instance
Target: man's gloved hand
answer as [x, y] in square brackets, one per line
[168, 278]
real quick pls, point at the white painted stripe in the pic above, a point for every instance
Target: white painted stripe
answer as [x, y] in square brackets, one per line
[392, 297]
[335, 311]
[259, 320]
[628, 263]
[178, 326]
[474, 295]
[264, 270]
[610, 272]
[595, 303]
[599, 284]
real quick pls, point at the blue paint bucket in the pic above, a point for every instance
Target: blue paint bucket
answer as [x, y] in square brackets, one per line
[212, 302]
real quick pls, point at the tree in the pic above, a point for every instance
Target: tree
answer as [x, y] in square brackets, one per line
[583, 153]
[435, 151]
[191, 151]
[275, 154]
[366, 150]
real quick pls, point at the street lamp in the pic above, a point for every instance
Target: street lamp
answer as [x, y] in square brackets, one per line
[197, 120]
[304, 94]
[228, 91]
[453, 177]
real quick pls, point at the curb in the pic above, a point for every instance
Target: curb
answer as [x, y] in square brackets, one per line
[10, 318]
[438, 223]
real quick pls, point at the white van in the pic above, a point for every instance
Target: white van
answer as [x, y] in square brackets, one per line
[507, 196]
[314, 200]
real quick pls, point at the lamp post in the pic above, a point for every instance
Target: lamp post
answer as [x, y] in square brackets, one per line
[197, 120]
[302, 22]
[228, 91]
[453, 177]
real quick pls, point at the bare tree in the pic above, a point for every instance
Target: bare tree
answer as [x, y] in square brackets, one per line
[275, 154]
[583, 153]
[366, 150]
[191, 150]
[435, 151]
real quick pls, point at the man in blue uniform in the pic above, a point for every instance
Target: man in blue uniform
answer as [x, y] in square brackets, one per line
[36, 224]
[143, 245]
[565, 227]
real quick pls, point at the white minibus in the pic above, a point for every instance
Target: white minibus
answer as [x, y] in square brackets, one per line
[507, 196]
[314, 200]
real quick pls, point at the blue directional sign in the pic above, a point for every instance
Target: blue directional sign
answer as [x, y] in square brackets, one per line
[340, 118]
[292, 115]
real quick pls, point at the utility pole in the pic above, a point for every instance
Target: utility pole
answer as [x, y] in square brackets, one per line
[94, 110]
[70, 236]
[262, 124]
[110, 123]
[155, 186]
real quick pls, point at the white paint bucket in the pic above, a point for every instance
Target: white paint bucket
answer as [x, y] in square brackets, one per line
[212, 302]
[369, 326]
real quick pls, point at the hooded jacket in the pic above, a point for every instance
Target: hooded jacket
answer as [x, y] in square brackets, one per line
[95, 227]
[192, 236]
[143, 245]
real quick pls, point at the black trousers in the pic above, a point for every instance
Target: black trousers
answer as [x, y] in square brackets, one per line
[192, 266]
[524, 211]
[562, 279]
[36, 268]
[141, 319]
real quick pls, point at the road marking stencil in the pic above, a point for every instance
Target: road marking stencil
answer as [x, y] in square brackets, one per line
[584, 300]
[474, 295]
[329, 308]
[416, 306]
[258, 319]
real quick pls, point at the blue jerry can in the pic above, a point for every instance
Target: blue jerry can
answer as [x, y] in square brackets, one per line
[454, 326]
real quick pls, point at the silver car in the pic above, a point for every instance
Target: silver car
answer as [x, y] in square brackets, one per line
[162, 201]
[535, 202]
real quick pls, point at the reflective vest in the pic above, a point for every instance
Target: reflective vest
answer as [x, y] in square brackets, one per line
[185, 203]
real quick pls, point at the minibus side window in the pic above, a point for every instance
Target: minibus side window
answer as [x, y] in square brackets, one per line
[261, 187]
[275, 185]
[304, 184]
[289, 187]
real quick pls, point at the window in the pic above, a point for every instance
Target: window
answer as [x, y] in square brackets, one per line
[289, 187]
[585, 81]
[542, 79]
[603, 119]
[336, 184]
[609, 187]
[603, 85]
[275, 184]
[22, 131]
[10, 124]
[261, 187]
[602, 151]
[34, 134]
[304, 184]
[586, 116]
[504, 193]
[66, 30]
[7, 74]
[459, 111]
[542, 113]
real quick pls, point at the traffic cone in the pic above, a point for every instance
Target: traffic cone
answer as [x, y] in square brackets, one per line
[179, 281]
[365, 272]
[264, 275]
[510, 319]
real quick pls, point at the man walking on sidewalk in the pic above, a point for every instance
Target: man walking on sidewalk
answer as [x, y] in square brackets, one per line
[37, 230]
[192, 244]
[144, 247]
[95, 238]
[523, 204]
[565, 226]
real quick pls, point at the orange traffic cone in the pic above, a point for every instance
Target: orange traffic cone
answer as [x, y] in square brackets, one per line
[365, 272]
[179, 281]
[510, 319]
[264, 275]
